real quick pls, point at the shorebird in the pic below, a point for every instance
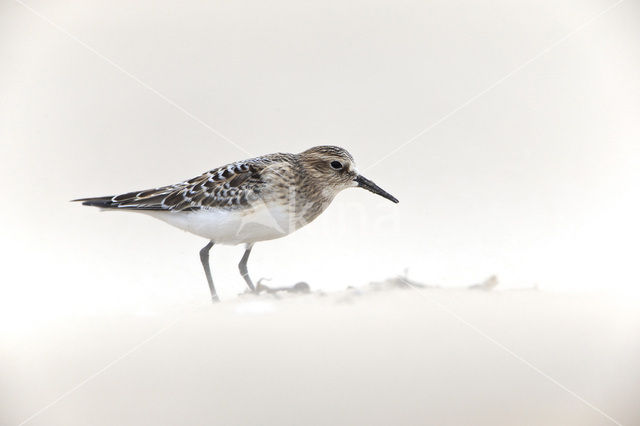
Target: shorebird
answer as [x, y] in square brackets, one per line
[253, 200]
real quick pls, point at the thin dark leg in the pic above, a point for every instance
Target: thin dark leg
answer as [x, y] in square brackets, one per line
[204, 258]
[242, 266]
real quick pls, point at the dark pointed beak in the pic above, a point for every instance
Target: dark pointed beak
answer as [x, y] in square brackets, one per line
[365, 183]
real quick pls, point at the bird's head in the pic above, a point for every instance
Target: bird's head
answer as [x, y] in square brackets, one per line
[333, 168]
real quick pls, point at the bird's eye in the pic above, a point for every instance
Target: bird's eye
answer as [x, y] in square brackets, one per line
[336, 165]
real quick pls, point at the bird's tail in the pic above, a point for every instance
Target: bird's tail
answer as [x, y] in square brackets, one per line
[105, 202]
[152, 199]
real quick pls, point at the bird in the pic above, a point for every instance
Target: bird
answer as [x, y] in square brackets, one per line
[248, 201]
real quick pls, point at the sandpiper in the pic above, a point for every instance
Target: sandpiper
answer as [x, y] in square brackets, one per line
[258, 199]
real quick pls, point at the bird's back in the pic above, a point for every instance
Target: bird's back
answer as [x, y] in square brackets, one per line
[233, 186]
[242, 202]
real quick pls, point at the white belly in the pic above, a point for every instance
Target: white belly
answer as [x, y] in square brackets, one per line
[232, 227]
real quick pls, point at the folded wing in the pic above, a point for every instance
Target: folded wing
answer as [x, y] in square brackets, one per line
[232, 186]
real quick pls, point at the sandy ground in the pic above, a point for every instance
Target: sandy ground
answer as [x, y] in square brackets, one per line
[376, 356]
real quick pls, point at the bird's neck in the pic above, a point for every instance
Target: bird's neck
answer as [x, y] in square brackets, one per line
[313, 199]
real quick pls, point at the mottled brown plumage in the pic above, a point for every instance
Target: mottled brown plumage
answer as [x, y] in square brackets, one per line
[252, 200]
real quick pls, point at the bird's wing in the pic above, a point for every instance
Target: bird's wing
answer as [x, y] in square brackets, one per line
[235, 185]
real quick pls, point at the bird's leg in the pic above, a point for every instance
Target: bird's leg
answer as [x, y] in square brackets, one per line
[242, 266]
[204, 258]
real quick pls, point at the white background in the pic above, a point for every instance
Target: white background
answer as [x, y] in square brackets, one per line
[525, 166]
[536, 180]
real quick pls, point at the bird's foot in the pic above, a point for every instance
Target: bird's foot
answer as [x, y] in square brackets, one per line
[300, 288]
[256, 289]
[262, 288]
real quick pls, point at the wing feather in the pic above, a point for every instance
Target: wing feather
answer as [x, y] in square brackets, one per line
[231, 186]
